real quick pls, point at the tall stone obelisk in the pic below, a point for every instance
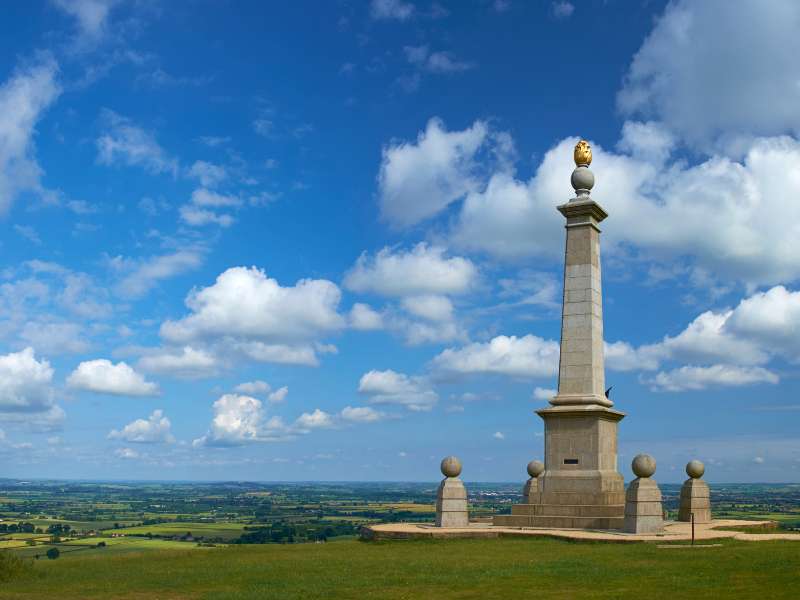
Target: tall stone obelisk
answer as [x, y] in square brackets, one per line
[581, 486]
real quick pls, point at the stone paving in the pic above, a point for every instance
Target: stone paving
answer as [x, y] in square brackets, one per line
[674, 531]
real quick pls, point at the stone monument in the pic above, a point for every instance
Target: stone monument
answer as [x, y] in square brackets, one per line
[580, 486]
[695, 495]
[531, 490]
[643, 510]
[451, 497]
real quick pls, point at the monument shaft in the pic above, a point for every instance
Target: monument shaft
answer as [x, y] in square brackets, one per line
[581, 486]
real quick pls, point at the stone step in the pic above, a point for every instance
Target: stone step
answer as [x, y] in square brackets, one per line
[559, 522]
[569, 510]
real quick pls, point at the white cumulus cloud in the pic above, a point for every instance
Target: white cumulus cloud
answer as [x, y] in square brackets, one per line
[391, 387]
[700, 378]
[155, 429]
[257, 316]
[528, 356]
[418, 180]
[101, 376]
[422, 270]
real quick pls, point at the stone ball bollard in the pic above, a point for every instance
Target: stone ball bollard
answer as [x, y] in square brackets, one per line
[643, 465]
[451, 466]
[695, 469]
[451, 497]
[695, 495]
[644, 513]
[535, 468]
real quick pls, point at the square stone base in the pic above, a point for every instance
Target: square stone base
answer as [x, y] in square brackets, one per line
[695, 498]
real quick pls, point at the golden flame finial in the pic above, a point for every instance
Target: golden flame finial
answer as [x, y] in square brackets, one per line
[583, 153]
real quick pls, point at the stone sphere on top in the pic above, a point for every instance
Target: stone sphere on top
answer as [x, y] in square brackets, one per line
[695, 469]
[643, 465]
[582, 179]
[451, 466]
[535, 468]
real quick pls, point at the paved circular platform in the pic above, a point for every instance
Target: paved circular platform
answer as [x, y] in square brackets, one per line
[674, 531]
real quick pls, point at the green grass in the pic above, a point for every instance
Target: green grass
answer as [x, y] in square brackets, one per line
[452, 569]
[206, 530]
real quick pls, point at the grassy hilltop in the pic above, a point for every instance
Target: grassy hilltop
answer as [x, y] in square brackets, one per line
[499, 568]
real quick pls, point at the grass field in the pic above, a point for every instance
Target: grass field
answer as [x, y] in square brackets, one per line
[452, 569]
[207, 530]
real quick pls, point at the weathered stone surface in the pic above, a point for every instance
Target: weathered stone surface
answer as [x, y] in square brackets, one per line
[643, 510]
[451, 503]
[695, 498]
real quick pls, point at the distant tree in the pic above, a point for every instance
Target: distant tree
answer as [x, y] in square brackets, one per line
[101, 544]
[53, 553]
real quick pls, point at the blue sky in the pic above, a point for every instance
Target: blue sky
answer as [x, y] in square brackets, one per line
[319, 240]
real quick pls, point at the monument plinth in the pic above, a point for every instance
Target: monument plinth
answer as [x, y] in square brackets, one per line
[695, 495]
[581, 486]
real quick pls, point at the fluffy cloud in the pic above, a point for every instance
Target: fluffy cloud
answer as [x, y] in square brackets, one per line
[253, 387]
[54, 338]
[435, 62]
[431, 307]
[206, 197]
[562, 9]
[770, 319]
[208, 174]
[361, 414]
[544, 393]
[199, 217]
[284, 354]
[760, 328]
[138, 276]
[185, 362]
[238, 420]
[257, 316]
[384, 10]
[27, 396]
[752, 240]
[390, 387]
[126, 453]
[91, 15]
[681, 73]
[123, 142]
[278, 396]
[198, 213]
[25, 383]
[103, 377]
[700, 378]
[24, 98]
[365, 318]
[154, 429]
[420, 271]
[419, 180]
[318, 419]
[529, 356]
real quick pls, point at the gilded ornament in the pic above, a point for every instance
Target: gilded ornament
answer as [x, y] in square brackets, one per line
[583, 153]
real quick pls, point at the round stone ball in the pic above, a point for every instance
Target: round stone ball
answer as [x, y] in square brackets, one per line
[582, 179]
[695, 469]
[643, 465]
[451, 466]
[535, 468]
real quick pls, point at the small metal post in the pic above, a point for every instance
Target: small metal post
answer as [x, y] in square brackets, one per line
[692, 529]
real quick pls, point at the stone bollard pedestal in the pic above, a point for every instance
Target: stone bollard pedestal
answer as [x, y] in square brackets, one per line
[695, 495]
[643, 510]
[531, 492]
[451, 497]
